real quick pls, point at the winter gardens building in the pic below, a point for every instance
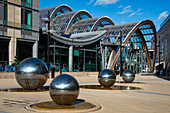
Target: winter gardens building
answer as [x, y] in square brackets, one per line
[80, 42]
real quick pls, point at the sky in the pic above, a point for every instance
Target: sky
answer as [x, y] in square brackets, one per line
[120, 11]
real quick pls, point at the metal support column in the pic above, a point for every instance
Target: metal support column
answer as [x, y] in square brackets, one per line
[71, 58]
[54, 54]
[96, 56]
[120, 53]
[159, 57]
[48, 38]
[102, 54]
[105, 57]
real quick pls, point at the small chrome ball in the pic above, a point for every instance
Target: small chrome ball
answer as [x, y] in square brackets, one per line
[64, 89]
[31, 73]
[107, 77]
[128, 76]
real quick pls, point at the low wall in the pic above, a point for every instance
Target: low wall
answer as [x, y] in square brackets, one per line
[11, 75]
[7, 75]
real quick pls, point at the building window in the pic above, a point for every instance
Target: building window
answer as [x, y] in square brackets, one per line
[1, 12]
[26, 19]
[27, 3]
[162, 48]
[5, 14]
[162, 34]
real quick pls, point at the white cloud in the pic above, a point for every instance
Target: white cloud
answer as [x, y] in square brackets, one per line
[138, 10]
[90, 2]
[126, 9]
[120, 6]
[123, 22]
[105, 2]
[135, 13]
[132, 14]
[163, 15]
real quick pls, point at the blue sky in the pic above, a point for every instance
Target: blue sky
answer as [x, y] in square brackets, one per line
[120, 11]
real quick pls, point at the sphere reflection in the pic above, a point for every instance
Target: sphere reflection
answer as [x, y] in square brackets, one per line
[64, 89]
[128, 76]
[31, 73]
[107, 77]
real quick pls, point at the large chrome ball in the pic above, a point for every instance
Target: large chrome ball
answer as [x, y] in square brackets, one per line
[31, 73]
[64, 89]
[107, 77]
[128, 76]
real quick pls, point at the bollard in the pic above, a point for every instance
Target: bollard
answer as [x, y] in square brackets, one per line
[53, 72]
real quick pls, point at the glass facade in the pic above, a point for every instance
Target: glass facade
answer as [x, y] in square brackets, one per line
[85, 58]
[133, 56]
[136, 38]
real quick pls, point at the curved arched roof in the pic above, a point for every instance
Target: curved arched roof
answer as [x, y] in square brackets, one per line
[144, 29]
[102, 21]
[62, 9]
[63, 22]
[78, 14]
[54, 11]
[91, 24]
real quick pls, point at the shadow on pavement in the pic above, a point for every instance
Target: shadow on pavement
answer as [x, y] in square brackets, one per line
[164, 77]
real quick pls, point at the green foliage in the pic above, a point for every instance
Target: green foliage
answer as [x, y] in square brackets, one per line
[43, 58]
[16, 60]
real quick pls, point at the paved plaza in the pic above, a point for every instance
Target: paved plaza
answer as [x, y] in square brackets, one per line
[154, 97]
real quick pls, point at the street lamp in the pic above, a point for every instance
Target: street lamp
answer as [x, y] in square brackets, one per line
[47, 21]
[120, 53]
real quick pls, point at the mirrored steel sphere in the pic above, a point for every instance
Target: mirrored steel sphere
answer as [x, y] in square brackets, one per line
[64, 89]
[107, 77]
[128, 76]
[31, 73]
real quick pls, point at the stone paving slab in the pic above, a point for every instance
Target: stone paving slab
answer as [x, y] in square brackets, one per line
[153, 98]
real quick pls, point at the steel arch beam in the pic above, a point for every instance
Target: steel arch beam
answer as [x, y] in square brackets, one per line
[78, 13]
[58, 8]
[129, 36]
[104, 18]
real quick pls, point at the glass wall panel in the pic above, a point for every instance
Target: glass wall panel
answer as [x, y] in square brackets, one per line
[133, 56]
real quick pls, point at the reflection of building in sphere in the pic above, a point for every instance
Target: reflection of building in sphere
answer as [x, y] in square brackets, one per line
[128, 76]
[64, 89]
[107, 77]
[31, 73]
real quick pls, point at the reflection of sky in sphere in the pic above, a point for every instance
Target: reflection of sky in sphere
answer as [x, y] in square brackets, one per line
[29, 69]
[62, 86]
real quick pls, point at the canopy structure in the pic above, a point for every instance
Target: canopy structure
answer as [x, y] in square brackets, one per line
[80, 28]
[144, 29]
